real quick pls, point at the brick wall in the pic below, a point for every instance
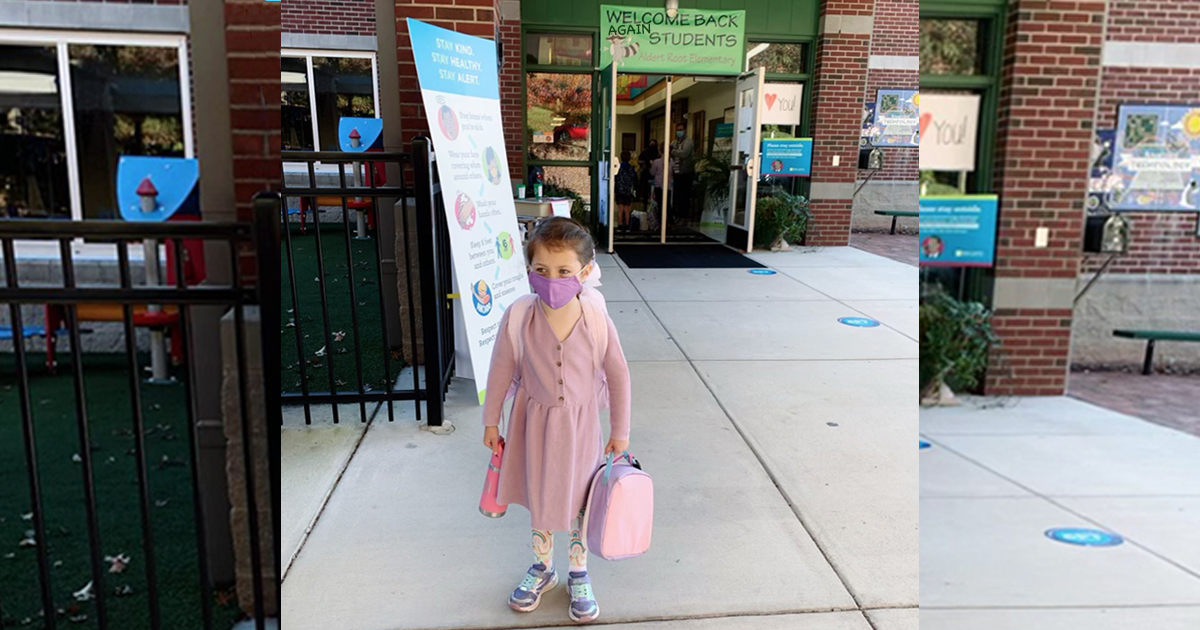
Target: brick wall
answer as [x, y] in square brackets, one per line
[896, 33]
[332, 17]
[1162, 243]
[1047, 102]
[511, 86]
[473, 17]
[252, 44]
[1154, 20]
[838, 88]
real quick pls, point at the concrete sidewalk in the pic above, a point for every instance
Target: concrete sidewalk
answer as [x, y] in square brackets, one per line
[1001, 472]
[778, 438]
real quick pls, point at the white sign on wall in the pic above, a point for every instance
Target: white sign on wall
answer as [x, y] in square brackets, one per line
[460, 89]
[781, 103]
[949, 126]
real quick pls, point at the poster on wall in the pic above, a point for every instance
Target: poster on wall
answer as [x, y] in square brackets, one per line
[647, 40]
[868, 126]
[1156, 162]
[896, 122]
[957, 231]
[791, 157]
[947, 130]
[781, 103]
[1101, 181]
[459, 86]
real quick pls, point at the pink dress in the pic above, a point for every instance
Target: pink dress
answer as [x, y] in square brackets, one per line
[553, 443]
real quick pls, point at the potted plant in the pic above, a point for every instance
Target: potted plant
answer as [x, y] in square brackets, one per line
[712, 184]
[779, 219]
[955, 338]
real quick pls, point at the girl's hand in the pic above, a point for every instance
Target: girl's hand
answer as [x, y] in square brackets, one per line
[491, 438]
[616, 447]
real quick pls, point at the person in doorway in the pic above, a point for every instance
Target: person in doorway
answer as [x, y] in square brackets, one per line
[553, 443]
[683, 170]
[656, 172]
[626, 185]
[649, 152]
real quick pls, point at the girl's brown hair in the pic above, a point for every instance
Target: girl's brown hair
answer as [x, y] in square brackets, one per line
[557, 233]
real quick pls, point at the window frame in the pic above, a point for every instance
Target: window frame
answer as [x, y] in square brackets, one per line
[307, 55]
[62, 40]
[527, 69]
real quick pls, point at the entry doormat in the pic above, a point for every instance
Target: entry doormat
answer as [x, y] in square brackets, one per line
[659, 256]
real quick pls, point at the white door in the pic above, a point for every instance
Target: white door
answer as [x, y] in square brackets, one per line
[743, 176]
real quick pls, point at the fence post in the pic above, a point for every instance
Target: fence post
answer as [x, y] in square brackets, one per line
[433, 302]
[267, 209]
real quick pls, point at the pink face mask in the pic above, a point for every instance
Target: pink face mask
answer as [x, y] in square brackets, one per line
[555, 292]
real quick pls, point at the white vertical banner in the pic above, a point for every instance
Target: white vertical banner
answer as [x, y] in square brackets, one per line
[460, 89]
[949, 125]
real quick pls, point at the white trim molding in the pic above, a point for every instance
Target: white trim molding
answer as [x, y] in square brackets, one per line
[894, 62]
[328, 42]
[847, 24]
[1150, 55]
[95, 16]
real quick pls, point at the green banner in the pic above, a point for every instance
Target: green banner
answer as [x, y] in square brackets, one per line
[693, 42]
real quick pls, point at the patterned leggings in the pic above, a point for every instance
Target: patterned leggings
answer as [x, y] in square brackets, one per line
[543, 546]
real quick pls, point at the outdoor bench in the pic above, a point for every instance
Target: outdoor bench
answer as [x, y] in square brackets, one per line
[1155, 335]
[896, 214]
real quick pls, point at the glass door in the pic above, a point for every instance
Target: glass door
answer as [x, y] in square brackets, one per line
[743, 184]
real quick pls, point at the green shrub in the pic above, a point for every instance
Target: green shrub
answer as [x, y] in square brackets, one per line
[781, 214]
[955, 338]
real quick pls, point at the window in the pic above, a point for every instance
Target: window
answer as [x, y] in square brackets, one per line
[127, 102]
[33, 157]
[318, 88]
[558, 50]
[558, 116]
[778, 58]
[950, 47]
[295, 109]
[72, 103]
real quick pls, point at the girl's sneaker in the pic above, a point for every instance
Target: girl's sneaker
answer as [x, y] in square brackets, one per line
[528, 595]
[583, 604]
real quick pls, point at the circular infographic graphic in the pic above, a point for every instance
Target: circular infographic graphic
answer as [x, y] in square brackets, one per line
[505, 246]
[933, 247]
[491, 165]
[448, 122]
[777, 165]
[1084, 537]
[481, 295]
[464, 211]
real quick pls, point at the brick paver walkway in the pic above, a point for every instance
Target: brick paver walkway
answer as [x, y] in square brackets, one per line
[899, 247]
[1169, 400]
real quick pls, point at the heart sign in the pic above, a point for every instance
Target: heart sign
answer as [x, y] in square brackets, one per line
[925, 118]
[780, 103]
[770, 99]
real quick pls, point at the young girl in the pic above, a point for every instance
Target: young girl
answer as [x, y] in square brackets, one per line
[553, 445]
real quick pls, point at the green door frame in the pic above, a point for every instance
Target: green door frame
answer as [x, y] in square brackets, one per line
[976, 283]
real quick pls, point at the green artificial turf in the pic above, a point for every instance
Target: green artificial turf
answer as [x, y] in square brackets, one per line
[341, 309]
[117, 498]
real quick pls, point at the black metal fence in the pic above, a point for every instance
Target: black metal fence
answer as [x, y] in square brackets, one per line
[260, 236]
[427, 266]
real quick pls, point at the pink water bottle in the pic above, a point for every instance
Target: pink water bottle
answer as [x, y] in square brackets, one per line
[488, 504]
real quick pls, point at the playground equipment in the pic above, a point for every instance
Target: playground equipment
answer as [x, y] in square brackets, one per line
[149, 189]
[355, 135]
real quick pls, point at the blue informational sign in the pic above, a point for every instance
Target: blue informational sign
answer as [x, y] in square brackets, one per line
[896, 119]
[958, 231]
[868, 126]
[923, 444]
[763, 272]
[791, 157]
[1102, 182]
[859, 322]
[454, 63]
[1156, 166]
[369, 131]
[170, 184]
[1084, 537]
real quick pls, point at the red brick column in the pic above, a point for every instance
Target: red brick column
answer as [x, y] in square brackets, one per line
[252, 43]
[1047, 108]
[511, 87]
[843, 48]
